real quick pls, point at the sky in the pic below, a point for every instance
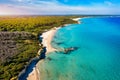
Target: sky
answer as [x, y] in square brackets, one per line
[59, 7]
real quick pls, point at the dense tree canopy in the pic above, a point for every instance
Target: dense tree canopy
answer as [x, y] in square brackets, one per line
[35, 24]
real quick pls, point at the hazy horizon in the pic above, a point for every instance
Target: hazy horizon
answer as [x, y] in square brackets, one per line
[59, 7]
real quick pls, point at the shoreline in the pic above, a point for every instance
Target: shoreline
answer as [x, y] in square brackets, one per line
[33, 75]
[47, 38]
[77, 19]
[46, 41]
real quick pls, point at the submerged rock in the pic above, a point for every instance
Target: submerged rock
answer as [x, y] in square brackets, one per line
[70, 49]
[49, 58]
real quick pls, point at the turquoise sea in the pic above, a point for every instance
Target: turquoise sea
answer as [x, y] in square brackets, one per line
[97, 56]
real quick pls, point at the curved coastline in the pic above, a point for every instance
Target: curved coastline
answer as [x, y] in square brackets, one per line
[47, 38]
[34, 72]
[46, 42]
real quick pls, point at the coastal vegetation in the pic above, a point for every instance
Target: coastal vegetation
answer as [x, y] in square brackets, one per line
[19, 40]
[35, 24]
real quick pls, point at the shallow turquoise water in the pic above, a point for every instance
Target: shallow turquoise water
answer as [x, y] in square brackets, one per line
[97, 56]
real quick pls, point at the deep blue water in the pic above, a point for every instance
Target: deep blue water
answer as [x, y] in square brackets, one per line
[29, 69]
[97, 56]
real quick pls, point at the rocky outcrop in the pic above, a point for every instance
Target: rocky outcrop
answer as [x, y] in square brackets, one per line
[68, 50]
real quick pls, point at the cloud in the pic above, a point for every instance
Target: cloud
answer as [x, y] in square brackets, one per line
[109, 3]
[13, 10]
[51, 7]
[20, 0]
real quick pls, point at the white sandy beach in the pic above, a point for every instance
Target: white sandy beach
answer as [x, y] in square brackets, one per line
[77, 19]
[47, 38]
